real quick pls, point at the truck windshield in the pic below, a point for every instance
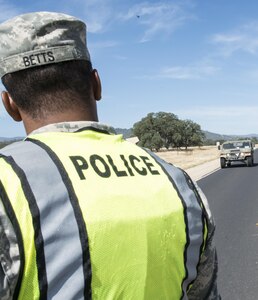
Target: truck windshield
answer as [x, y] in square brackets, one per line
[236, 145]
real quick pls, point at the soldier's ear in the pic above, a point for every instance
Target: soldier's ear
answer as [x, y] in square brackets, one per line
[11, 107]
[96, 84]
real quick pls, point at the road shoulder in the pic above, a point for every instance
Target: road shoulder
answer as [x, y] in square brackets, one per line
[200, 171]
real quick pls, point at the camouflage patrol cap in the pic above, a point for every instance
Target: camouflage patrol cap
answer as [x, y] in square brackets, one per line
[41, 38]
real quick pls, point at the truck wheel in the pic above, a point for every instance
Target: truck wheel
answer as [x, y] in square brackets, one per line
[249, 161]
[222, 162]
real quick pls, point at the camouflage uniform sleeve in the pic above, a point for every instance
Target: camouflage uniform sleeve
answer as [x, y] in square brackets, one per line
[9, 257]
[205, 284]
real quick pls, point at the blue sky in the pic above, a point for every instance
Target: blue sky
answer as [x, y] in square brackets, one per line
[196, 59]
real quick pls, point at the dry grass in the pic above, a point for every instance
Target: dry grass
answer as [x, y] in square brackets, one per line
[192, 157]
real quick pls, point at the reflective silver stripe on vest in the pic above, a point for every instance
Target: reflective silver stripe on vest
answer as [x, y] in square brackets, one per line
[194, 223]
[62, 246]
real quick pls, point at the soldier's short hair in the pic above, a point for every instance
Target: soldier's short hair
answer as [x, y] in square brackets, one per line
[51, 88]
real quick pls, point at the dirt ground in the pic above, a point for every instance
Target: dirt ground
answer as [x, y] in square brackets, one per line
[192, 157]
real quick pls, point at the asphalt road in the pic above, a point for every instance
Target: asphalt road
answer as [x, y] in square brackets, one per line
[233, 197]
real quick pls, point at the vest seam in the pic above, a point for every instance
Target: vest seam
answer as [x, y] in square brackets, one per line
[188, 240]
[185, 219]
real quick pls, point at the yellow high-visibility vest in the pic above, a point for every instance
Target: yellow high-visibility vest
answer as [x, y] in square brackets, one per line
[98, 217]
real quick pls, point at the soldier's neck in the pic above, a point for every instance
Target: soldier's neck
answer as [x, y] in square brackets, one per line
[31, 124]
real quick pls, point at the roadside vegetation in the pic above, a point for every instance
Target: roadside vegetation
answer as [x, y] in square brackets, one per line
[163, 130]
[166, 130]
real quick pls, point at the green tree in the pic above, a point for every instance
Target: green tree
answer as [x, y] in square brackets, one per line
[156, 141]
[166, 125]
[191, 134]
[156, 130]
[145, 131]
[163, 129]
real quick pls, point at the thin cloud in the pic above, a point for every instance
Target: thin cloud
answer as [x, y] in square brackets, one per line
[230, 112]
[7, 11]
[158, 18]
[244, 38]
[120, 57]
[223, 119]
[155, 17]
[103, 44]
[185, 73]
[97, 14]
[196, 71]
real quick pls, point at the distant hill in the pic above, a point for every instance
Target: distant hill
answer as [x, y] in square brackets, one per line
[10, 139]
[125, 132]
[208, 135]
[216, 136]
[219, 137]
[4, 141]
[252, 135]
[129, 133]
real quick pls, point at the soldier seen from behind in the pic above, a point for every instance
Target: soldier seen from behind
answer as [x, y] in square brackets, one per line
[85, 214]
